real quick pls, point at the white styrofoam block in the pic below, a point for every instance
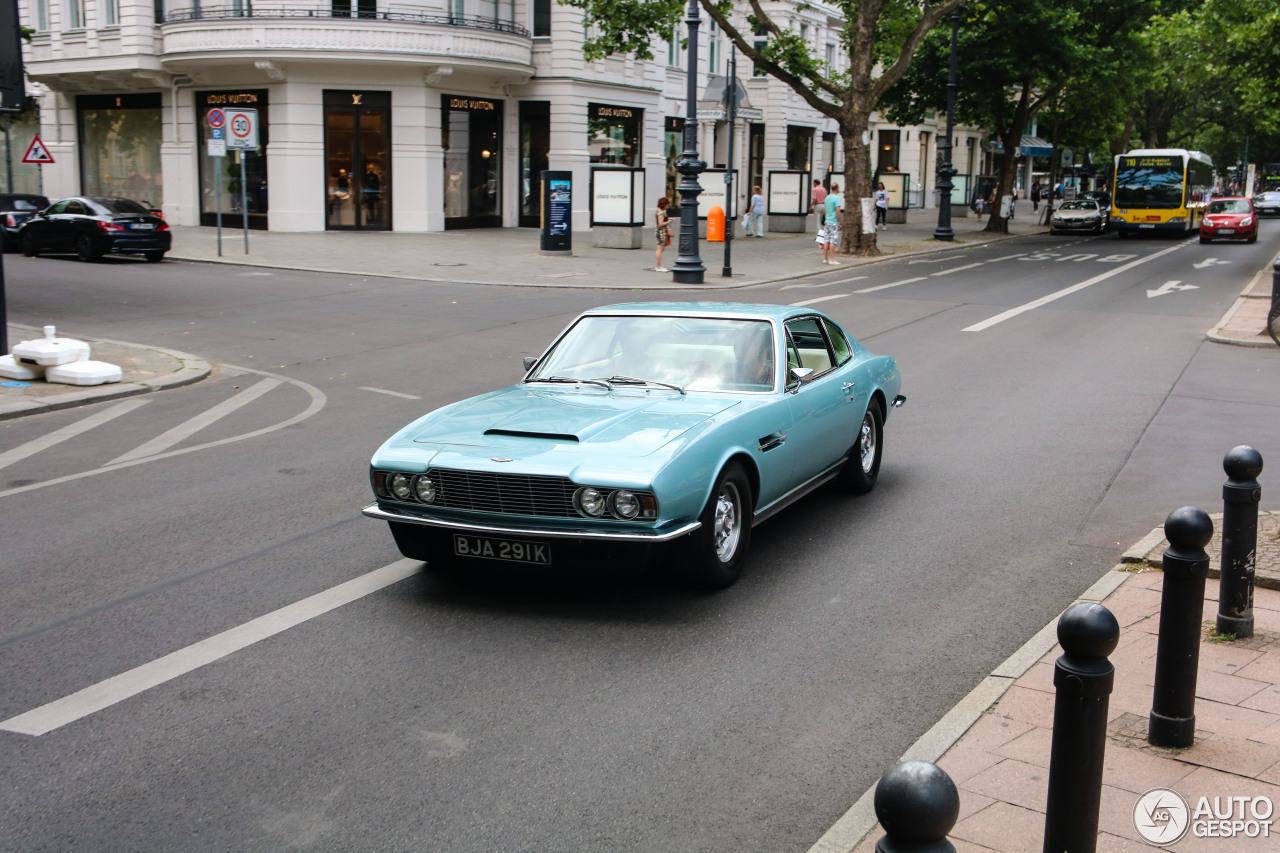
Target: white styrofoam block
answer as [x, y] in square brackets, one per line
[10, 369]
[49, 351]
[84, 373]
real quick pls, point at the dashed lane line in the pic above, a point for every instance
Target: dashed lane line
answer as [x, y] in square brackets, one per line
[112, 691]
[891, 284]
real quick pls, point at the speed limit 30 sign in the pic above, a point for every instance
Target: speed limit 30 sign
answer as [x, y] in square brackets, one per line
[242, 126]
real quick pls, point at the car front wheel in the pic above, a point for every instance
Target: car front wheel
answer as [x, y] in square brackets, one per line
[720, 545]
[863, 466]
[85, 250]
[28, 246]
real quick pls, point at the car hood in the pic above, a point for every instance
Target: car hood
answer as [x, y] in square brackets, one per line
[526, 421]
[1226, 218]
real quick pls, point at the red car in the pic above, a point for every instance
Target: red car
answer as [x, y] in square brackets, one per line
[1229, 219]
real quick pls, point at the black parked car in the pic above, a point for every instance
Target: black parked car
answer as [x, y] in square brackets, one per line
[15, 209]
[94, 226]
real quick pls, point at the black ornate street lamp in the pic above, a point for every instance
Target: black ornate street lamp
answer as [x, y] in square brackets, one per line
[945, 170]
[688, 268]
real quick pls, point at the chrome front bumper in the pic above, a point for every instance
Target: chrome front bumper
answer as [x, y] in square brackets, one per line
[375, 511]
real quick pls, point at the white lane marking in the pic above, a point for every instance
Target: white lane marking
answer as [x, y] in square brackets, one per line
[1006, 257]
[1066, 291]
[392, 393]
[318, 401]
[183, 431]
[1170, 287]
[118, 688]
[69, 431]
[957, 269]
[935, 260]
[822, 284]
[891, 284]
[1208, 262]
[819, 299]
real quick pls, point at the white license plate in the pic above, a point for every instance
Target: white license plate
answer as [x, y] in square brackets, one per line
[488, 548]
[143, 226]
[1146, 226]
[1226, 230]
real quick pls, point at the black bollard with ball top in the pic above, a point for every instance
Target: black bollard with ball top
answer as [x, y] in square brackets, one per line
[1240, 497]
[1083, 678]
[1186, 565]
[917, 804]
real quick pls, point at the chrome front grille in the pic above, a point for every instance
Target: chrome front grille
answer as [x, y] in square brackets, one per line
[505, 494]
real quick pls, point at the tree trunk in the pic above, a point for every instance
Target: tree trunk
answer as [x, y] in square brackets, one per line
[1012, 139]
[857, 186]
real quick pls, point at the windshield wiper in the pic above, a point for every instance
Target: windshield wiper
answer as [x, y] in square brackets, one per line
[631, 380]
[572, 381]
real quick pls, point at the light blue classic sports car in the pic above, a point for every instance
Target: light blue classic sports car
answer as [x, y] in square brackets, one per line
[675, 426]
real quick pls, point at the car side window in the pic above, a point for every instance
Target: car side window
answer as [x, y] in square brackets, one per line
[805, 335]
[60, 207]
[75, 207]
[839, 343]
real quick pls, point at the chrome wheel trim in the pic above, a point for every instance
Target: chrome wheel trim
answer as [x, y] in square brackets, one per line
[867, 443]
[725, 528]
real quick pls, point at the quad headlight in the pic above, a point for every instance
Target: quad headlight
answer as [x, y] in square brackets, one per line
[622, 504]
[404, 487]
[400, 486]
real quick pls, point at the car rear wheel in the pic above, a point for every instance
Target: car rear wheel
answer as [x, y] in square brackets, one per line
[28, 246]
[862, 469]
[720, 545]
[153, 257]
[85, 250]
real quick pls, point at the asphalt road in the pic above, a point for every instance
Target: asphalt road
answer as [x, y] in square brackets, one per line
[515, 712]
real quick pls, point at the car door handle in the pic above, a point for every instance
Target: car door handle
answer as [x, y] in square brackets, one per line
[846, 386]
[769, 442]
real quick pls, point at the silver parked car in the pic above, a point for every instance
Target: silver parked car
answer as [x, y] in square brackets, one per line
[1080, 215]
[1267, 203]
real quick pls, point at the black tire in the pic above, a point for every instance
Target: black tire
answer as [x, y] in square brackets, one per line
[1254, 238]
[719, 548]
[85, 250]
[862, 468]
[1203, 239]
[1121, 234]
[153, 257]
[27, 246]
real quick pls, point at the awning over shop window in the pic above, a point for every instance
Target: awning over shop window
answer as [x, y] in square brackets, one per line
[1034, 146]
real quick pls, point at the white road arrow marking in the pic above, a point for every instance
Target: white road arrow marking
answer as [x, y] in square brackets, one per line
[1170, 287]
[1208, 262]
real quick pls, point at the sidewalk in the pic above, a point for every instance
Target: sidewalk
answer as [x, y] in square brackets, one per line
[995, 744]
[510, 256]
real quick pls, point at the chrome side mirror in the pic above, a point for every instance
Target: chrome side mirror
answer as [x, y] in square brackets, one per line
[799, 376]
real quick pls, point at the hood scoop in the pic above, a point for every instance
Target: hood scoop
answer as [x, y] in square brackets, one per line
[519, 433]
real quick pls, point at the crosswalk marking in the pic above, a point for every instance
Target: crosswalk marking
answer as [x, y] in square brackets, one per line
[184, 430]
[69, 431]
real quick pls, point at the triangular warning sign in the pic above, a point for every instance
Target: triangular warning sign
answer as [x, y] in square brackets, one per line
[37, 153]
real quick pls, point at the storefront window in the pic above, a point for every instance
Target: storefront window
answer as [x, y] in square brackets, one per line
[799, 148]
[614, 134]
[472, 136]
[889, 143]
[673, 142]
[226, 170]
[120, 139]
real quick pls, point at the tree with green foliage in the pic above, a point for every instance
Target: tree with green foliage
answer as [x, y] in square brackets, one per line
[879, 38]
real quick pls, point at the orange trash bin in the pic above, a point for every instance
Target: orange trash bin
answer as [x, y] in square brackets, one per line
[715, 224]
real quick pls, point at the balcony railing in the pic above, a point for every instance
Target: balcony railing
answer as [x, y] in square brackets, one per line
[209, 13]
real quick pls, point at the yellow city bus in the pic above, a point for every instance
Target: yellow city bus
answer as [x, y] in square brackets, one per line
[1160, 189]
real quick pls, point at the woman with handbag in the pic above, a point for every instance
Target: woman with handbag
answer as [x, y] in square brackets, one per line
[663, 233]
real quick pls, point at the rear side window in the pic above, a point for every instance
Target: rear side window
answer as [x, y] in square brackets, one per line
[120, 205]
[76, 207]
[839, 344]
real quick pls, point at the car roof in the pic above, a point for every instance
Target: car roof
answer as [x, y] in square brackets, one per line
[727, 310]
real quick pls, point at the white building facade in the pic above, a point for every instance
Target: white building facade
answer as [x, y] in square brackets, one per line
[412, 117]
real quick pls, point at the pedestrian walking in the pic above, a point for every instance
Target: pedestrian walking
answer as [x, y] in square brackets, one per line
[978, 204]
[882, 207]
[829, 235]
[662, 232]
[817, 197]
[1035, 197]
[754, 223]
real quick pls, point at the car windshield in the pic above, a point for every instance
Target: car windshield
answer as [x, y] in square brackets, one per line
[1229, 205]
[1079, 205]
[120, 205]
[700, 354]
